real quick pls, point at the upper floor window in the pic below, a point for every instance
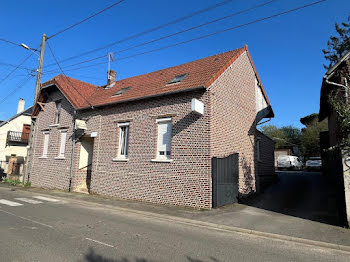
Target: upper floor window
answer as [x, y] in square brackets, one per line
[164, 138]
[58, 112]
[46, 144]
[123, 140]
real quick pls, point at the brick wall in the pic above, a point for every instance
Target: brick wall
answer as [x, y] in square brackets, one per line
[186, 181]
[265, 166]
[52, 172]
[233, 112]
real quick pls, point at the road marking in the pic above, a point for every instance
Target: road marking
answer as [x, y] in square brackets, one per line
[10, 203]
[24, 218]
[46, 198]
[99, 242]
[28, 200]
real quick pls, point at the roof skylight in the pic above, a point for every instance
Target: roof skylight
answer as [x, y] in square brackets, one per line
[122, 91]
[178, 79]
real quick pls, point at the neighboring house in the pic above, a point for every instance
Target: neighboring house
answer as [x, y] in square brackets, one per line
[154, 137]
[336, 81]
[14, 134]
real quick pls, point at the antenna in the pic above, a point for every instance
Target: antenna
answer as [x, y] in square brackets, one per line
[110, 58]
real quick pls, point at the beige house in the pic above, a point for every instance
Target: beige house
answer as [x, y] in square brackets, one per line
[14, 134]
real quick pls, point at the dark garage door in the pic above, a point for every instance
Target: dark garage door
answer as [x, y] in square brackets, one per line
[225, 180]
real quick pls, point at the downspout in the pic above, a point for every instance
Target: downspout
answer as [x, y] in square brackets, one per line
[73, 152]
[340, 85]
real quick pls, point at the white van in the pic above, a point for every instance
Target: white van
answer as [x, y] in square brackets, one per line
[289, 162]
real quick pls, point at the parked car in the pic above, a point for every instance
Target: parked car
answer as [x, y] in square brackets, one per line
[314, 163]
[289, 162]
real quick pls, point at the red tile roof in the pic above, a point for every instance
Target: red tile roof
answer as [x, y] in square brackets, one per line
[201, 74]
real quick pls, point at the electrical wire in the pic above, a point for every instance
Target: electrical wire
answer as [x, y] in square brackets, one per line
[14, 70]
[9, 42]
[85, 19]
[205, 36]
[177, 33]
[20, 67]
[65, 76]
[209, 8]
[25, 81]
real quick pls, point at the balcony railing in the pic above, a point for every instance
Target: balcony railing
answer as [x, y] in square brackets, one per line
[14, 137]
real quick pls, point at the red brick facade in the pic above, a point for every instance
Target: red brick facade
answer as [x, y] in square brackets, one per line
[227, 126]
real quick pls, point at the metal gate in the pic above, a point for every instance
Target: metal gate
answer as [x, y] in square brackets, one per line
[225, 180]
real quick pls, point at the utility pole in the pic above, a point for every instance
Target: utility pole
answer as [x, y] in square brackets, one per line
[36, 94]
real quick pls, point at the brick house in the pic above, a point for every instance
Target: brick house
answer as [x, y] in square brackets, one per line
[335, 163]
[152, 137]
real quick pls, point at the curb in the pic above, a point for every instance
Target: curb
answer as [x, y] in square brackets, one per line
[208, 225]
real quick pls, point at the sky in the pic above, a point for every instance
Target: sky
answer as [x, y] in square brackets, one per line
[286, 50]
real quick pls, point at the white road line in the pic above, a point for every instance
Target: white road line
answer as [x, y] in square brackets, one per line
[24, 218]
[99, 242]
[28, 200]
[46, 198]
[10, 203]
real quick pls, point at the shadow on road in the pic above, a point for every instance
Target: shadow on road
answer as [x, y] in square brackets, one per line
[92, 256]
[307, 195]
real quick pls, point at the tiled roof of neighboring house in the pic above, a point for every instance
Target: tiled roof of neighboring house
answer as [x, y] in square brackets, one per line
[199, 74]
[27, 112]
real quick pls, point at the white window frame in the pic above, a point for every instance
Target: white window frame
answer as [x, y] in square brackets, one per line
[166, 156]
[123, 138]
[258, 149]
[63, 142]
[46, 144]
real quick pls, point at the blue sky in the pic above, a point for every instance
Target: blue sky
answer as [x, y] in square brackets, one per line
[286, 50]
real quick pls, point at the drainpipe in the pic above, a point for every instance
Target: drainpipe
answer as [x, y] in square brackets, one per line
[340, 85]
[73, 152]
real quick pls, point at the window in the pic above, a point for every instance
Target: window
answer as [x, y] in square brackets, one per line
[178, 79]
[58, 112]
[46, 144]
[258, 156]
[164, 138]
[123, 140]
[122, 91]
[63, 143]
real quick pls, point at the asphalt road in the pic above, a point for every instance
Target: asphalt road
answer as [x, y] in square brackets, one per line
[68, 230]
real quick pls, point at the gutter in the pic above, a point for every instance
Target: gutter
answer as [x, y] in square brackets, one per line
[145, 97]
[73, 153]
[346, 88]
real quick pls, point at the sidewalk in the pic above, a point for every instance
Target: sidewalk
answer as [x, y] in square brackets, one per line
[238, 216]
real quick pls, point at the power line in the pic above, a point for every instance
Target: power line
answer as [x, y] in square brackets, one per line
[12, 65]
[25, 81]
[14, 70]
[179, 32]
[149, 30]
[207, 35]
[9, 42]
[85, 19]
[65, 77]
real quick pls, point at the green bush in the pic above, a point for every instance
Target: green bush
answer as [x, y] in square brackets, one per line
[27, 184]
[12, 182]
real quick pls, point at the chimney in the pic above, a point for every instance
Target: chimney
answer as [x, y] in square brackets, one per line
[20, 107]
[112, 75]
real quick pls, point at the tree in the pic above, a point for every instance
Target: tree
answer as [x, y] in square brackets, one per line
[310, 135]
[283, 136]
[339, 45]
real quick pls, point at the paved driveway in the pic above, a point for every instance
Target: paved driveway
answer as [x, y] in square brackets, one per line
[301, 194]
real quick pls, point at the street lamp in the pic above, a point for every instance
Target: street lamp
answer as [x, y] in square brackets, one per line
[30, 49]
